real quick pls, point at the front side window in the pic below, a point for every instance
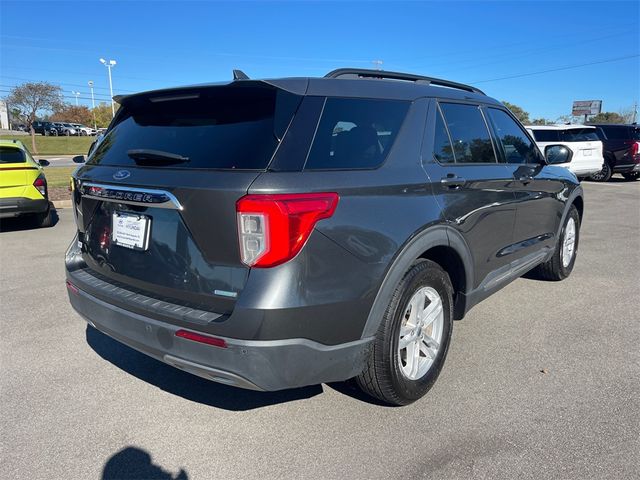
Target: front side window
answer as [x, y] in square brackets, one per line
[355, 133]
[469, 135]
[516, 146]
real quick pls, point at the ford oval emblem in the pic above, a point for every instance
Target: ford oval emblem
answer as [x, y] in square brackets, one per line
[121, 174]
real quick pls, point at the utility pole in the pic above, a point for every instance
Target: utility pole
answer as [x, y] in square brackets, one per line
[110, 64]
[93, 105]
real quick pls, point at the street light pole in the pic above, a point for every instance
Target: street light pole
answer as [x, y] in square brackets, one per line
[109, 64]
[93, 105]
[77, 94]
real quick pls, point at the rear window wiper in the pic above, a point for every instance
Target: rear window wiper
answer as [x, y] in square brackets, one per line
[144, 155]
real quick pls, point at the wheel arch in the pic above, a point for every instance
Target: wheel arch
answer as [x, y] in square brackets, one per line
[440, 244]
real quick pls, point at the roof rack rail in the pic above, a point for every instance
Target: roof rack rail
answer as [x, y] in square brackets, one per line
[382, 74]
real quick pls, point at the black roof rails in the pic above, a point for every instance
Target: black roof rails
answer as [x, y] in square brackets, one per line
[366, 73]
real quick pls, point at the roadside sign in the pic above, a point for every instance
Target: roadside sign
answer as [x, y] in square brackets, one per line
[586, 107]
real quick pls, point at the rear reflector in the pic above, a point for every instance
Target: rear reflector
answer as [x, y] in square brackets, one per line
[197, 337]
[71, 287]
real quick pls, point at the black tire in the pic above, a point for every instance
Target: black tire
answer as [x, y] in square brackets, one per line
[603, 175]
[553, 269]
[44, 220]
[382, 377]
[631, 176]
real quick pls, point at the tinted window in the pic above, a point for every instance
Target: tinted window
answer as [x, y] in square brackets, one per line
[355, 133]
[516, 146]
[11, 155]
[220, 127]
[546, 135]
[616, 133]
[469, 134]
[442, 149]
[635, 134]
[579, 135]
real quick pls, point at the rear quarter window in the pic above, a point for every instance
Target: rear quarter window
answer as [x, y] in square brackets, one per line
[546, 135]
[355, 133]
[12, 155]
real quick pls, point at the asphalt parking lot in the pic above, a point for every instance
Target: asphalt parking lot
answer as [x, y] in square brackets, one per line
[542, 381]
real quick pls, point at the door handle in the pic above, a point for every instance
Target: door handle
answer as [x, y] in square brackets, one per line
[452, 181]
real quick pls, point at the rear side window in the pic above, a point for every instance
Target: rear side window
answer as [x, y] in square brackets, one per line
[546, 135]
[579, 135]
[235, 127]
[11, 155]
[469, 134]
[442, 149]
[355, 133]
[516, 146]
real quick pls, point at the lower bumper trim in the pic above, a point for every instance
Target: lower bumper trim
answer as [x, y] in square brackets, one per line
[267, 365]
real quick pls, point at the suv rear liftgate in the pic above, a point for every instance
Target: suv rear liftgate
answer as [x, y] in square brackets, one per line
[176, 163]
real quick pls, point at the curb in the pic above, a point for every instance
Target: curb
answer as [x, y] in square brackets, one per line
[59, 204]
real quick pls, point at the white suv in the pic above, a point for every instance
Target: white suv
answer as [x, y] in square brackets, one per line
[582, 140]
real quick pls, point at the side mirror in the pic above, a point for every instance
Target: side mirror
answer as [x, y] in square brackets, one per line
[557, 154]
[78, 159]
[44, 163]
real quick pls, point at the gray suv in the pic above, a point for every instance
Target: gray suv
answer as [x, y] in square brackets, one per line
[270, 234]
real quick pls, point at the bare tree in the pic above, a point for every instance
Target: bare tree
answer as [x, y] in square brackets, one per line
[30, 99]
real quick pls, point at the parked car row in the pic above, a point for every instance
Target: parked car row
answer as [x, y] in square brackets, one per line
[597, 151]
[62, 128]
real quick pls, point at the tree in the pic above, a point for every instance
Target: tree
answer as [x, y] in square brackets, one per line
[103, 115]
[540, 121]
[32, 98]
[518, 112]
[607, 117]
[72, 114]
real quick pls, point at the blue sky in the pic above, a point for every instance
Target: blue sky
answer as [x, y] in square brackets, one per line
[160, 44]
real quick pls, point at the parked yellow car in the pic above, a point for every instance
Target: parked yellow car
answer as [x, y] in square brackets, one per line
[23, 186]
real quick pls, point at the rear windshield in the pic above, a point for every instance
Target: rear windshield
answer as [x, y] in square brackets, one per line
[568, 135]
[236, 127]
[12, 155]
[355, 133]
[579, 135]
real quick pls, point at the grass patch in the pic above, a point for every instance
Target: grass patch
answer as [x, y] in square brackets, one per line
[54, 145]
[58, 176]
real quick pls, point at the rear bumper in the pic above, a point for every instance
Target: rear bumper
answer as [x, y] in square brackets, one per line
[627, 168]
[13, 207]
[259, 365]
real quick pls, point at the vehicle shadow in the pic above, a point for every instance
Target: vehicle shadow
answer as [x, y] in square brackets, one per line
[17, 224]
[134, 463]
[186, 385]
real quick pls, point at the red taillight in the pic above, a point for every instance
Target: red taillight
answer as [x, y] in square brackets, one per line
[41, 185]
[197, 337]
[635, 148]
[273, 228]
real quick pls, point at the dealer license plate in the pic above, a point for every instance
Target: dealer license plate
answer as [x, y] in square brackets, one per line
[130, 231]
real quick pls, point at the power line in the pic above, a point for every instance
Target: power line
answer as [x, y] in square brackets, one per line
[62, 83]
[566, 67]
